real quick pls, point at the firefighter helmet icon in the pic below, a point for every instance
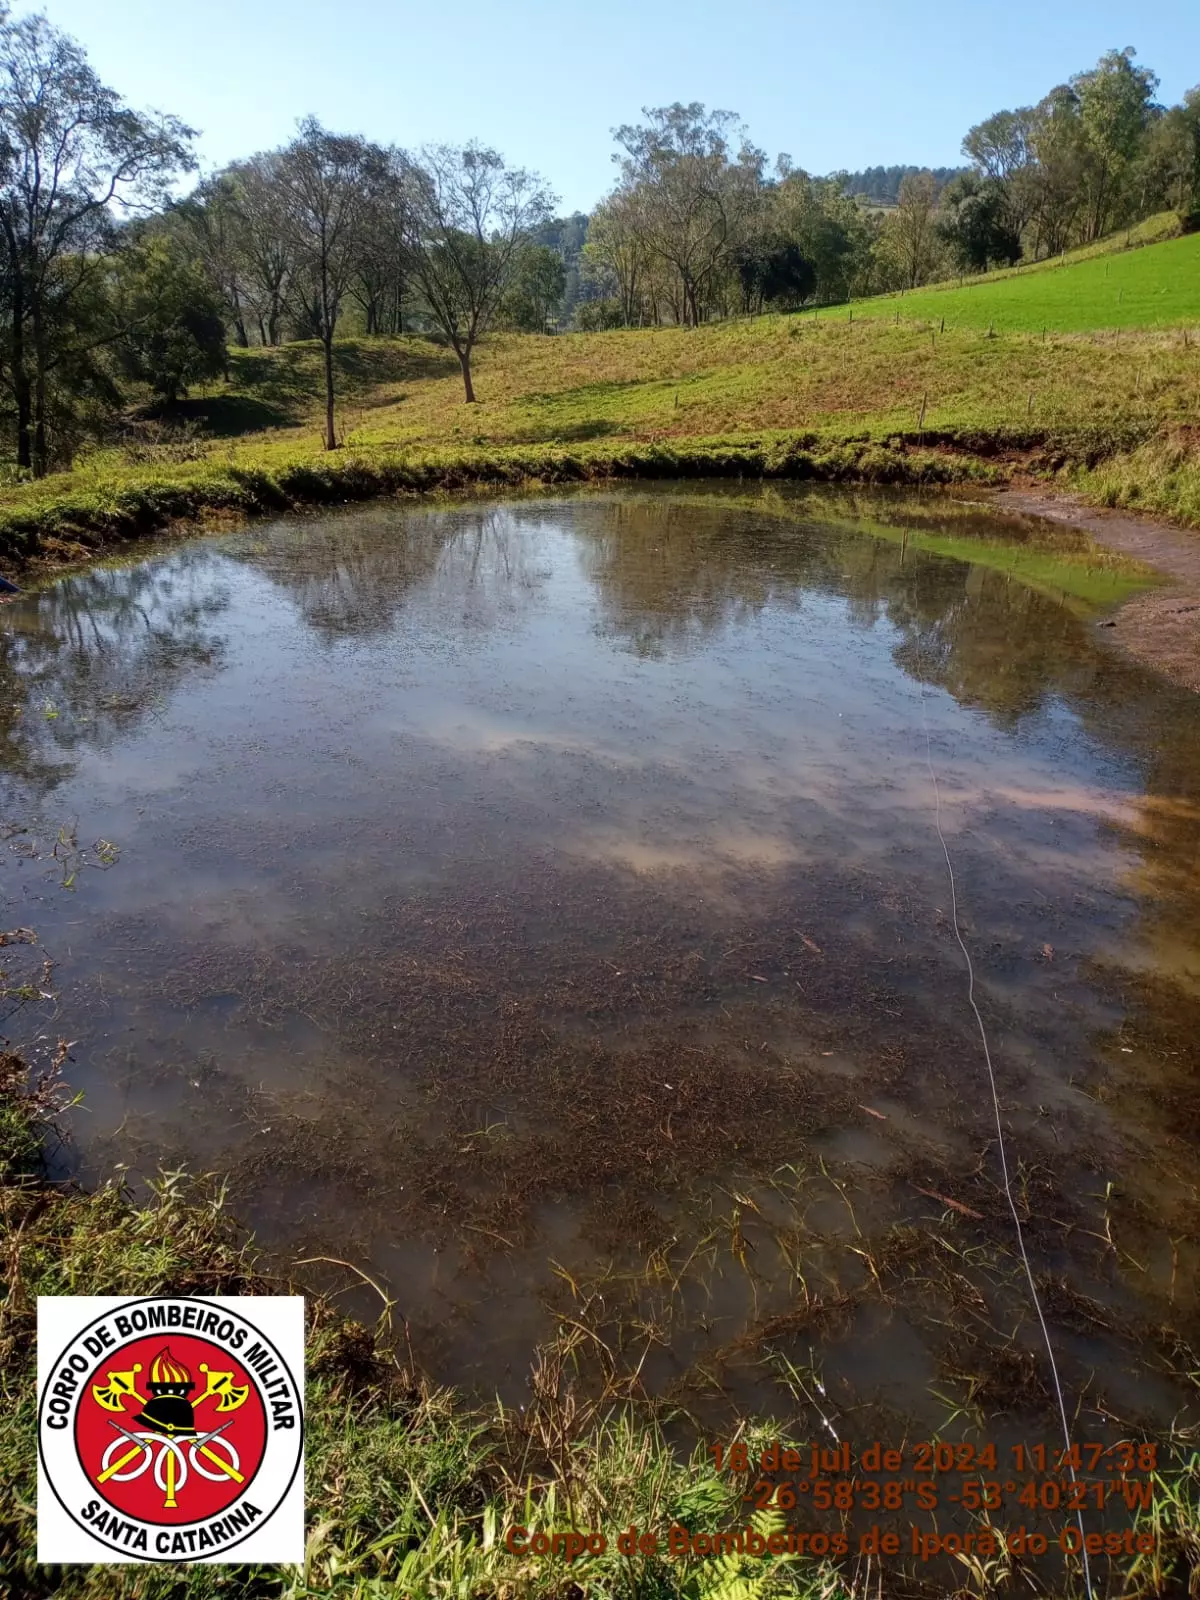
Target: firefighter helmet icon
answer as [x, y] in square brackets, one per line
[168, 1410]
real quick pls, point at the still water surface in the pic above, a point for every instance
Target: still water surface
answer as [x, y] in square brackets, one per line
[540, 906]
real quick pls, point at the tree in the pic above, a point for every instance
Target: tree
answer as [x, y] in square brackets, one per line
[1002, 144]
[975, 223]
[468, 219]
[882, 184]
[266, 249]
[911, 231]
[774, 271]
[1116, 106]
[379, 283]
[72, 156]
[1002, 149]
[212, 219]
[600, 315]
[536, 292]
[690, 199]
[615, 251]
[174, 329]
[1171, 160]
[831, 230]
[324, 183]
[1058, 143]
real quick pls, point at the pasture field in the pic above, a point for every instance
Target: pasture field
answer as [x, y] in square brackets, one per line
[1154, 287]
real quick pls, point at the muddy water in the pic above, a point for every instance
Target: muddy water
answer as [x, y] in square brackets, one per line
[540, 906]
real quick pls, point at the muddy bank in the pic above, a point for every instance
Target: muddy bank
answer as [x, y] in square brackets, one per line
[1161, 628]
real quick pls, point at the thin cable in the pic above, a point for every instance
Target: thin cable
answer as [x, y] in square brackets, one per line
[987, 1056]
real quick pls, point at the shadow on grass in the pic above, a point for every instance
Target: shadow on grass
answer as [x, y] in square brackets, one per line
[225, 416]
[283, 387]
[599, 390]
[364, 363]
[569, 432]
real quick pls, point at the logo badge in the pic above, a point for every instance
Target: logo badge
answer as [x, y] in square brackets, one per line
[171, 1429]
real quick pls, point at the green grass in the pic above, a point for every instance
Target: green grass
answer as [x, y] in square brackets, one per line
[1081, 576]
[1154, 287]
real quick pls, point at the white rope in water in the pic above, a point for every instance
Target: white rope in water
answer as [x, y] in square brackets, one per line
[987, 1056]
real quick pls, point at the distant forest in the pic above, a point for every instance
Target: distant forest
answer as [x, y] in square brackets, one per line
[882, 184]
[117, 289]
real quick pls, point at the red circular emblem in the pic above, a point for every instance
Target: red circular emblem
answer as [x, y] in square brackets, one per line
[173, 1431]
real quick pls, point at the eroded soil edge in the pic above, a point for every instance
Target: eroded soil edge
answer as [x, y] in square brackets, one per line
[1160, 628]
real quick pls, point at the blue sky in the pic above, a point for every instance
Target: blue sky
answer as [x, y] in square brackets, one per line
[874, 82]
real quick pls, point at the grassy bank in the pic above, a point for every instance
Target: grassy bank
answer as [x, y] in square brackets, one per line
[410, 1488]
[845, 394]
[86, 520]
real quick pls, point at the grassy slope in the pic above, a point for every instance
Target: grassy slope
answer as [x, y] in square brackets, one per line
[1105, 286]
[1116, 409]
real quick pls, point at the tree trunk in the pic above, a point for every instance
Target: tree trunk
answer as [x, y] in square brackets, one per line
[41, 455]
[464, 361]
[239, 321]
[262, 331]
[330, 436]
[21, 391]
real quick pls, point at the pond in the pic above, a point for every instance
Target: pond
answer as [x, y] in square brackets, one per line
[540, 906]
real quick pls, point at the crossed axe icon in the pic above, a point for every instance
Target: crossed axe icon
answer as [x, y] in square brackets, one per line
[122, 1385]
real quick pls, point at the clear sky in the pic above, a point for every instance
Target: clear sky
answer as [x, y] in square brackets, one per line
[874, 82]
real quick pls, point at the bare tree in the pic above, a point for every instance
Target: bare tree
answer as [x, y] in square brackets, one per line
[692, 200]
[468, 217]
[212, 219]
[913, 233]
[266, 246]
[324, 184]
[72, 157]
[615, 246]
[379, 283]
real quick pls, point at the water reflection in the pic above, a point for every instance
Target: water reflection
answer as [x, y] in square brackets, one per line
[500, 882]
[353, 584]
[83, 662]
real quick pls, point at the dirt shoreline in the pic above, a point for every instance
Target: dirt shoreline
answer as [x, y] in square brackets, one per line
[1160, 629]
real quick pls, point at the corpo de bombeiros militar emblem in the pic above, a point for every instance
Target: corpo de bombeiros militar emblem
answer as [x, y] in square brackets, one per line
[171, 1429]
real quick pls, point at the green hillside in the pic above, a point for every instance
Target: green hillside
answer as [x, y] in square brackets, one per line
[1152, 287]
